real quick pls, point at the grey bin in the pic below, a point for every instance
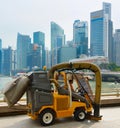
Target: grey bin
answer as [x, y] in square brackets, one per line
[39, 93]
[38, 98]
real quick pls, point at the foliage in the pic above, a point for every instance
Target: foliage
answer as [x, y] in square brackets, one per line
[109, 66]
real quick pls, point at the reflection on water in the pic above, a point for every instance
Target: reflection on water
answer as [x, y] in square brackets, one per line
[110, 83]
[3, 82]
[107, 87]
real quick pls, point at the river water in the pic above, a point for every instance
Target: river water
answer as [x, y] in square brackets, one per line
[3, 82]
[107, 87]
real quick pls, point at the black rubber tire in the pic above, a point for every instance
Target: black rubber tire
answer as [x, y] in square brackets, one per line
[47, 117]
[79, 115]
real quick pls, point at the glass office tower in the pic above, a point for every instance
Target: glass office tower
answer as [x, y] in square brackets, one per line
[0, 44]
[0, 55]
[80, 37]
[57, 41]
[23, 47]
[101, 32]
[116, 47]
[39, 39]
[6, 61]
[66, 53]
[96, 32]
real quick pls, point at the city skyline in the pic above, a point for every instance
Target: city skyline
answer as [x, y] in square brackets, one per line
[27, 17]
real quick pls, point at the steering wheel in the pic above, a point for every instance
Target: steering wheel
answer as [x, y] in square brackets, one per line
[77, 89]
[80, 91]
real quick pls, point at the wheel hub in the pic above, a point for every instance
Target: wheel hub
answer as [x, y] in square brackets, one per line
[47, 118]
[81, 115]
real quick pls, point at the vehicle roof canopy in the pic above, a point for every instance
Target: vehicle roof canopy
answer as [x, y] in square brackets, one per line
[80, 66]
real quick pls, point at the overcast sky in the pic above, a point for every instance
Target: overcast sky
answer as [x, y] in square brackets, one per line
[28, 16]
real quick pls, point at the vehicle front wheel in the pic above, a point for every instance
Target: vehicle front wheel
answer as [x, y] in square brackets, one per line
[79, 115]
[47, 117]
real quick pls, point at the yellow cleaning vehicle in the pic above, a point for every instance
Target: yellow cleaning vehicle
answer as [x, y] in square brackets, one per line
[62, 92]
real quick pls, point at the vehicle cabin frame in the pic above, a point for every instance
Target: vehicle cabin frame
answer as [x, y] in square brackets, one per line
[48, 99]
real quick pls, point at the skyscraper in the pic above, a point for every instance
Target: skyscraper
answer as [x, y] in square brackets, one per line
[23, 47]
[116, 47]
[80, 37]
[101, 32]
[66, 53]
[6, 61]
[0, 44]
[48, 58]
[0, 55]
[39, 41]
[14, 60]
[107, 10]
[108, 31]
[39, 38]
[96, 33]
[57, 41]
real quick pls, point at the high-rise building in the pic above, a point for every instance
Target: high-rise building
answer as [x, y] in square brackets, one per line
[39, 43]
[110, 42]
[34, 58]
[96, 33]
[116, 47]
[107, 10]
[0, 61]
[0, 44]
[80, 37]
[23, 47]
[108, 31]
[101, 32]
[66, 53]
[0, 55]
[57, 41]
[6, 61]
[14, 64]
[48, 58]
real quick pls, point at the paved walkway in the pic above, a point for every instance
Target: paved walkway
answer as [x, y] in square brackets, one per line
[20, 107]
[111, 119]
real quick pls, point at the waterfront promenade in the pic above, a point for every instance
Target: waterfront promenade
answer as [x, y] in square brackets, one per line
[21, 108]
[16, 117]
[111, 115]
[110, 119]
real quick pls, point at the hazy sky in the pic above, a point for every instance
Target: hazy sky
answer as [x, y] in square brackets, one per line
[28, 16]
